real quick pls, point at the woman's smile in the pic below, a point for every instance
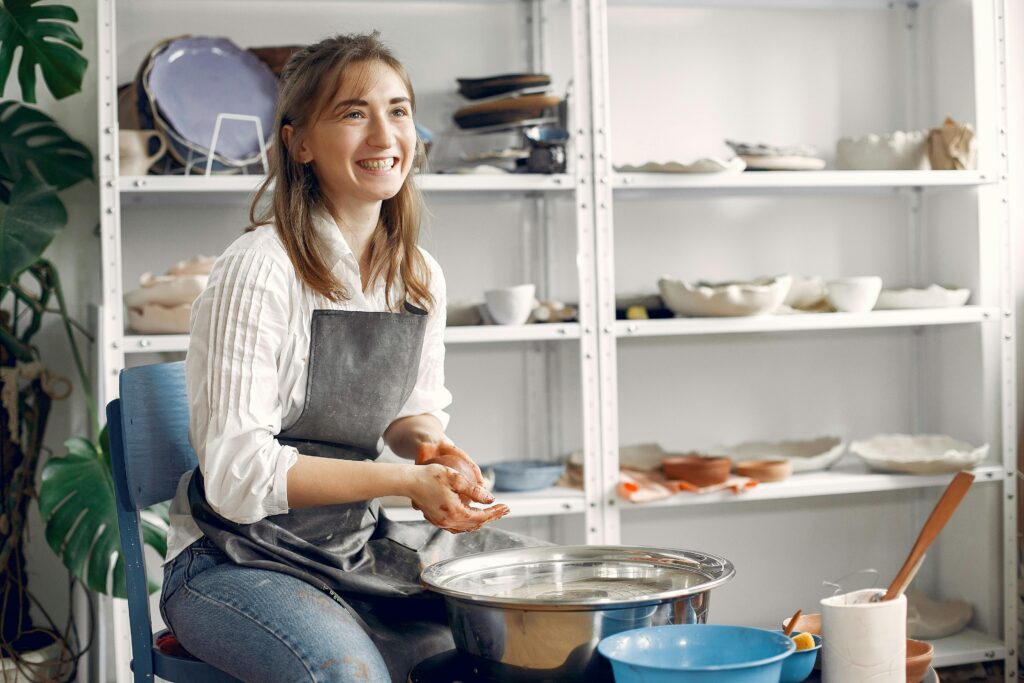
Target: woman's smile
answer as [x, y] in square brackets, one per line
[379, 166]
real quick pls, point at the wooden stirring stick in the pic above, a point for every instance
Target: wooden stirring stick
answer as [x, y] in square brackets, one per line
[792, 622]
[944, 509]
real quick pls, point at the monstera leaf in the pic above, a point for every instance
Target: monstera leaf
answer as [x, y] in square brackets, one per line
[28, 223]
[30, 141]
[46, 41]
[76, 500]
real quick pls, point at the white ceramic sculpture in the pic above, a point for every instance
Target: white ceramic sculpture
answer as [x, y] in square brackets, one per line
[806, 456]
[928, 619]
[898, 151]
[755, 297]
[918, 454]
[935, 296]
[854, 294]
[510, 305]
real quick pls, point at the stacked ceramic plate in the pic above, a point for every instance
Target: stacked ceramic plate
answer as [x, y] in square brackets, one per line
[507, 99]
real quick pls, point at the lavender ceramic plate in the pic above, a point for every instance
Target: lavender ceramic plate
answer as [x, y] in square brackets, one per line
[194, 79]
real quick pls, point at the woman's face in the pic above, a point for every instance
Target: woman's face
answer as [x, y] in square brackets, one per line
[362, 146]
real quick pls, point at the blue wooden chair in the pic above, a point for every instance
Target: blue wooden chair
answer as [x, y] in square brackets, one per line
[149, 450]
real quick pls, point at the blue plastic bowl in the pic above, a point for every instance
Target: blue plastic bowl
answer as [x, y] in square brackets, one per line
[798, 666]
[697, 652]
[526, 475]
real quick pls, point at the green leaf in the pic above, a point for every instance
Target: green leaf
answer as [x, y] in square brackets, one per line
[76, 501]
[47, 41]
[28, 224]
[30, 141]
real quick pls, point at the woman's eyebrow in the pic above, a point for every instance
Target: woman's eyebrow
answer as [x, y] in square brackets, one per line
[363, 103]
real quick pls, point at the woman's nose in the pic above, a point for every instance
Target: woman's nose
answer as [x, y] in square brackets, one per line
[381, 134]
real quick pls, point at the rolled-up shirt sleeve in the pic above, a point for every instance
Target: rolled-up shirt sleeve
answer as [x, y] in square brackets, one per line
[430, 396]
[238, 326]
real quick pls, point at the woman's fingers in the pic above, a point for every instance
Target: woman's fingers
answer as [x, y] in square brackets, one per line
[463, 486]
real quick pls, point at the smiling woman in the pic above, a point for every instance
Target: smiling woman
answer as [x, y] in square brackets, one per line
[319, 338]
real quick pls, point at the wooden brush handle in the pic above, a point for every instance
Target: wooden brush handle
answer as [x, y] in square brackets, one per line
[944, 509]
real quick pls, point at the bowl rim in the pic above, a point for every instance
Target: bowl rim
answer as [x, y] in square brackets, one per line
[697, 562]
[818, 642]
[601, 647]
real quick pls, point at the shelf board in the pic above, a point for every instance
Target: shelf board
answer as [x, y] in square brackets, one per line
[833, 5]
[483, 334]
[967, 647]
[799, 322]
[552, 501]
[244, 185]
[847, 478]
[796, 180]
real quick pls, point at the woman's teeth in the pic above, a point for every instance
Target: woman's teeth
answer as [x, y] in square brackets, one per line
[378, 164]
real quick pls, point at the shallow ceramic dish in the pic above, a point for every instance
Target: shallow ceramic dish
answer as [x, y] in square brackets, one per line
[477, 88]
[526, 475]
[934, 296]
[782, 163]
[754, 297]
[919, 659]
[704, 165]
[805, 456]
[930, 619]
[506, 110]
[765, 470]
[696, 469]
[897, 151]
[918, 454]
[192, 80]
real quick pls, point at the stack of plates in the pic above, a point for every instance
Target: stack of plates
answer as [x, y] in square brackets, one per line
[508, 99]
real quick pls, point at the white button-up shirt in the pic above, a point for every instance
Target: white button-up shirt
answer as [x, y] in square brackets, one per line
[246, 371]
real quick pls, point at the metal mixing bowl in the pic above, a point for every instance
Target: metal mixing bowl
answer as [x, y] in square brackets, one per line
[539, 613]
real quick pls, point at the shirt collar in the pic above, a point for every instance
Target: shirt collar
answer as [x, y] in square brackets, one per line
[327, 229]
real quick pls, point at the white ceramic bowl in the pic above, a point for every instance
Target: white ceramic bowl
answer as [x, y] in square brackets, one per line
[901, 150]
[935, 296]
[755, 297]
[805, 456]
[854, 294]
[510, 305]
[918, 454]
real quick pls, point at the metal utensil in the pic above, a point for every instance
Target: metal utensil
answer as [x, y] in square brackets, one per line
[944, 509]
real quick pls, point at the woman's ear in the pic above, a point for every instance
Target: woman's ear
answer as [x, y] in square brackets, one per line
[301, 154]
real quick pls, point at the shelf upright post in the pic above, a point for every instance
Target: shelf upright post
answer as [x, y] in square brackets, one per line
[604, 269]
[111, 325]
[601, 521]
[1007, 345]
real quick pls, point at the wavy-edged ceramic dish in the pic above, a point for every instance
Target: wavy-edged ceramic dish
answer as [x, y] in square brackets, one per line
[808, 455]
[933, 296]
[192, 80]
[918, 454]
[703, 165]
[753, 297]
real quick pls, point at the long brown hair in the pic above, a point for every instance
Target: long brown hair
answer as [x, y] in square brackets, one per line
[308, 81]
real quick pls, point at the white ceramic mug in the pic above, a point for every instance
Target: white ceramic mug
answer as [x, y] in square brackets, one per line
[133, 151]
[854, 294]
[867, 641]
[510, 305]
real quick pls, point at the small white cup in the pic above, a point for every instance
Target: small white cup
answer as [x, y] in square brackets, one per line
[510, 305]
[867, 641]
[854, 294]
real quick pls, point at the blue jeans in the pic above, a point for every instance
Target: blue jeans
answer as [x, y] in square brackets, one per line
[262, 625]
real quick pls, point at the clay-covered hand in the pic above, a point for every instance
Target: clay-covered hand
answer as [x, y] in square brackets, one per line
[442, 494]
[452, 456]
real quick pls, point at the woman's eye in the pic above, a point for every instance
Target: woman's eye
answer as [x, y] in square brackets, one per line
[400, 112]
[353, 114]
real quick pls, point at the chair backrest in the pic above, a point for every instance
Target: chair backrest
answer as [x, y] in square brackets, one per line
[149, 449]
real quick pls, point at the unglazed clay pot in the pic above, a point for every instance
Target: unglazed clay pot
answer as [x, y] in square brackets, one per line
[696, 469]
[765, 470]
[919, 659]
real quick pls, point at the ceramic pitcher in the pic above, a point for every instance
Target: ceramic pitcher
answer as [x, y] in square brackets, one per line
[134, 148]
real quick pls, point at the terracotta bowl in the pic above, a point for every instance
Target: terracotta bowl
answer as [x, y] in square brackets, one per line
[919, 659]
[696, 469]
[806, 623]
[765, 470]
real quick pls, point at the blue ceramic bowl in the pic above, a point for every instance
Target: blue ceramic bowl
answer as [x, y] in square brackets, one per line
[798, 666]
[526, 475]
[697, 653]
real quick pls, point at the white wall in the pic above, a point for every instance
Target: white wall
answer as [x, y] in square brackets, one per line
[154, 243]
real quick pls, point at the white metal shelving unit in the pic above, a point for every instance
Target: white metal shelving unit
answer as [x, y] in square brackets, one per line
[594, 189]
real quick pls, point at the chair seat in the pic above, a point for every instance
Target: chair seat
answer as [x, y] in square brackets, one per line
[185, 668]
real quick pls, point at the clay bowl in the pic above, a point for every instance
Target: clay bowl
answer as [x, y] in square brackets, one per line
[806, 623]
[765, 470]
[919, 659]
[696, 469]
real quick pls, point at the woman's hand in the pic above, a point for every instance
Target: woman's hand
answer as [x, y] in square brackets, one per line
[452, 456]
[443, 495]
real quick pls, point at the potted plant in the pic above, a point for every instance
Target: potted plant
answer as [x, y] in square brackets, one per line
[76, 499]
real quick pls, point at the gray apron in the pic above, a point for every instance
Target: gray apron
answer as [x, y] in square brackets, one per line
[362, 369]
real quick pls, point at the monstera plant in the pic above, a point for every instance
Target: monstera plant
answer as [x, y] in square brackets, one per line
[37, 161]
